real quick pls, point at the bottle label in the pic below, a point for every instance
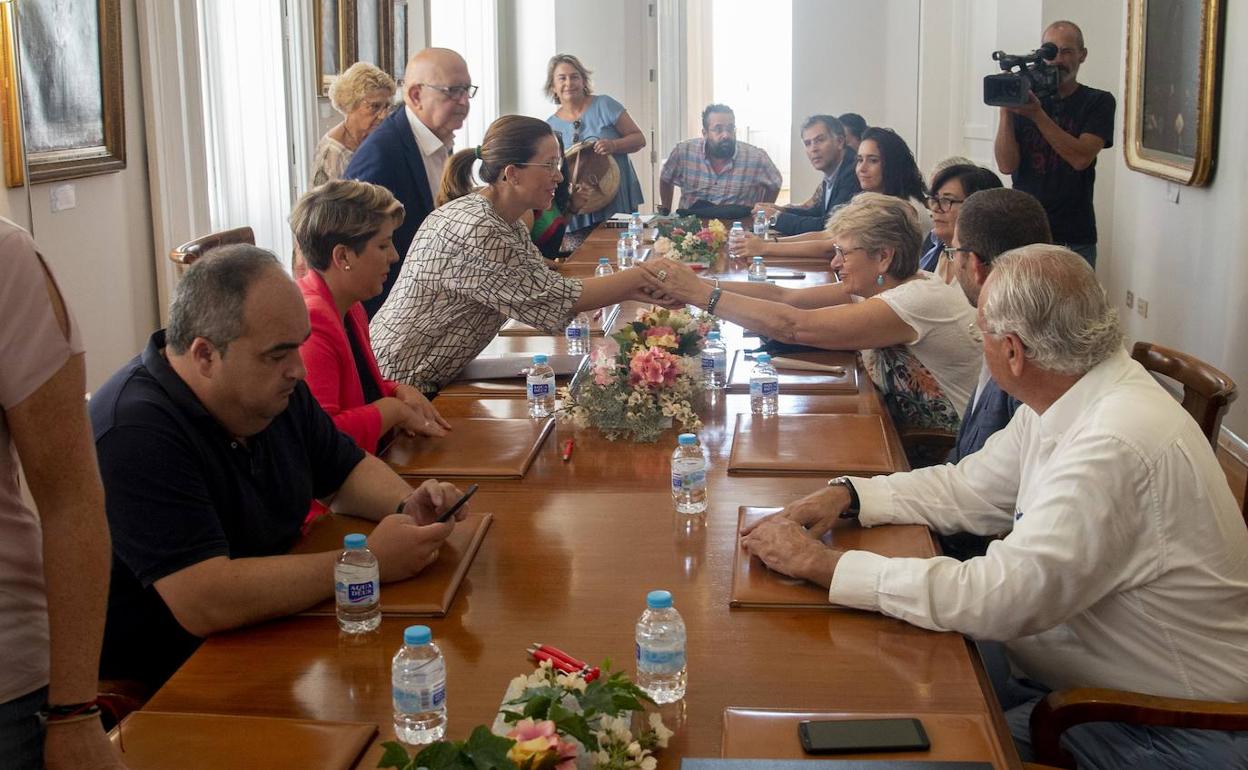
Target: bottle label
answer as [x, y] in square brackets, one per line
[655, 660]
[692, 480]
[422, 698]
[764, 387]
[357, 593]
[708, 363]
[574, 332]
[540, 387]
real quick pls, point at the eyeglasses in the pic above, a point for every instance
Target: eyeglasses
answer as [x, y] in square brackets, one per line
[950, 252]
[454, 92]
[840, 252]
[942, 203]
[553, 166]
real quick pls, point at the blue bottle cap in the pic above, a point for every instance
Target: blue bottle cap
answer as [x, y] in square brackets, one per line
[540, 358]
[659, 600]
[758, 259]
[354, 542]
[712, 335]
[417, 635]
[604, 261]
[623, 235]
[687, 439]
[762, 358]
[736, 224]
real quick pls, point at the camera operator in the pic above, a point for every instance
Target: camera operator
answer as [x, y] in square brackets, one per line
[1050, 147]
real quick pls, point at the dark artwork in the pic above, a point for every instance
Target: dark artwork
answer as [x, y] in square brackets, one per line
[61, 87]
[329, 38]
[1172, 52]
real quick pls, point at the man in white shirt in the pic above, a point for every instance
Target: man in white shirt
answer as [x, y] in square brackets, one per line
[1125, 560]
[407, 152]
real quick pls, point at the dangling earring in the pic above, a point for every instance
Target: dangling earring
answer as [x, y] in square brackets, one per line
[346, 265]
[879, 280]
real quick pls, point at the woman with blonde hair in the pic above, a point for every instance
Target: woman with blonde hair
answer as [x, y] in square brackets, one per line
[362, 96]
[913, 329]
[473, 264]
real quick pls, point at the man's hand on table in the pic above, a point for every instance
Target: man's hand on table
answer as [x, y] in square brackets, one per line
[408, 542]
[789, 548]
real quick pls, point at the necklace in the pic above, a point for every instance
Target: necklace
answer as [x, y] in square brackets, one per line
[352, 143]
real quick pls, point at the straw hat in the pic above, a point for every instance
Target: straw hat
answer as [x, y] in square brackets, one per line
[593, 179]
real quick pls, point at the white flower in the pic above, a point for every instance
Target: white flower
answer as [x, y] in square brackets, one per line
[571, 682]
[649, 763]
[661, 731]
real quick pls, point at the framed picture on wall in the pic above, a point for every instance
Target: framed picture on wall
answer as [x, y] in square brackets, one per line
[348, 31]
[1173, 73]
[71, 90]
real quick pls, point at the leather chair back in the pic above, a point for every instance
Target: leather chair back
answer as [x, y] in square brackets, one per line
[1207, 392]
[186, 254]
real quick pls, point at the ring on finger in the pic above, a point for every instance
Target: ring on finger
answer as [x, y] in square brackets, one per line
[662, 275]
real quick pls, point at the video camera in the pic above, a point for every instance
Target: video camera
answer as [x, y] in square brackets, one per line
[1035, 75]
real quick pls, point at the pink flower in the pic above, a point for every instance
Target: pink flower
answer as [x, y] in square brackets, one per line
[678, 231]
[707, 236]
[653, 367]
[660, 336]
[538, 745]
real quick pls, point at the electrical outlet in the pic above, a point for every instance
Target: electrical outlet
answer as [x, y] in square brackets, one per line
[1130, 298]
[1142, 307]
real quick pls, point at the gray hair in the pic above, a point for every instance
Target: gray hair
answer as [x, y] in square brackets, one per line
[356, 83]
[1050, 298]
[210, 297]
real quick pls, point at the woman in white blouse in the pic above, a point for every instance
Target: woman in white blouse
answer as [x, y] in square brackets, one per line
[914, 330]
[472, 264]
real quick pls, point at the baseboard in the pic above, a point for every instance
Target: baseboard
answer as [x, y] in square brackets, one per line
[1235, 446]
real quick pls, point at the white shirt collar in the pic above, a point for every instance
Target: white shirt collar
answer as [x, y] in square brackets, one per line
[1089, 389]
[426, 140]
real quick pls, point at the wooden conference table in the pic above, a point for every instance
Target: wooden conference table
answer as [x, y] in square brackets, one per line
[573, 549]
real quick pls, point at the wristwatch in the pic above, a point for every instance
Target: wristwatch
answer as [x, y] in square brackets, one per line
[854, 506]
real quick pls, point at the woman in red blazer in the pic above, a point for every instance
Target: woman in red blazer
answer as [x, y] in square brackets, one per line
[343, 229]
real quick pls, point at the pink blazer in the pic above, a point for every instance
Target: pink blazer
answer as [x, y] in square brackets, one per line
[332, 376]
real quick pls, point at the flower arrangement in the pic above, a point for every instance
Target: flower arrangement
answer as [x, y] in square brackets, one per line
[557, 721]
[691, 242]
[643, 377]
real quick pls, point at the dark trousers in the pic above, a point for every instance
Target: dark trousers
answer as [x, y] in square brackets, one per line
[21, 731]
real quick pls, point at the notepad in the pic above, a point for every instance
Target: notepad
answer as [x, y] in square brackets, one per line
[811, 444]
[475, 447]
[817, 372]
[515, 366]
[428, 594]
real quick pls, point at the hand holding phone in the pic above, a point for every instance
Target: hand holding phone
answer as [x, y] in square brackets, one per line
[446, 516]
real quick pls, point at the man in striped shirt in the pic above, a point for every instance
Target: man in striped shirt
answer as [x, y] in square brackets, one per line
[717, 169]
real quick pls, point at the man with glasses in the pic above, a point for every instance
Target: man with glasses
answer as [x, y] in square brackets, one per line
[1050, 147]
[717, 170]
[408, 150]
[823, 136]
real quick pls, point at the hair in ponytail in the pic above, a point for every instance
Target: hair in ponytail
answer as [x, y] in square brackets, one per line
[510, 139]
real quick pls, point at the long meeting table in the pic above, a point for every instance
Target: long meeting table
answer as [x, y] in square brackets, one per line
[573, 549]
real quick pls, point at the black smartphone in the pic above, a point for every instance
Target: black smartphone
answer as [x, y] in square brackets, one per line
[472, 490]
[851, 736]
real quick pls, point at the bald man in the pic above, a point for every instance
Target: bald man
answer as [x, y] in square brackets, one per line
[408, 150]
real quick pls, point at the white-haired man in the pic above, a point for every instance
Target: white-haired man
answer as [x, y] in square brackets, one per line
[1122, 564]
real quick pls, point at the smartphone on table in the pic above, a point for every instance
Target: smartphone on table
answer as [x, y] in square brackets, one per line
[852, 736]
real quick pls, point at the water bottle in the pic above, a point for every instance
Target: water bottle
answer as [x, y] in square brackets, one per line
[714, 363]
[604, 266]
[758, 271]
[625, 254]
[418, 688]
[357, 587]
[764, 387]
[540, 386]
[635, 227]
[661, 672]
[689, 465]
[760, 223]
[577, 334]
[735, 236]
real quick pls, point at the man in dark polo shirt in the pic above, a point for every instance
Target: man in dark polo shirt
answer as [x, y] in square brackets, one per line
[211, 448]
[1050, 147]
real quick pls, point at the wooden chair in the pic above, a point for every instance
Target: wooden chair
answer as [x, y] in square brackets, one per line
[1207, 392]
[926, 446]
[1060, 711]
[186, 254]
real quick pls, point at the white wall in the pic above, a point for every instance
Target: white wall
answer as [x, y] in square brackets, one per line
[101, 251]
[851, 56]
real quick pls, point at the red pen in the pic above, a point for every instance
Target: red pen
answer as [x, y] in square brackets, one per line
[566, 453]
[562, 661]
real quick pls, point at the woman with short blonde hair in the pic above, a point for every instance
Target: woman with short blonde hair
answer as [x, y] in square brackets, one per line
[362, 95]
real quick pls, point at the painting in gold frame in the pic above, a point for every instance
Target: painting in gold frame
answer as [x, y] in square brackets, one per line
[1173, 73]
[71, 129]
[350, 30]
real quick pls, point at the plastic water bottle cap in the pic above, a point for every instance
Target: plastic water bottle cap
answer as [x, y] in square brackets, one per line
[604, 261]
[658, 600]
[417, 635]
[623, 236]
[540, 358]
[712, 335]
[736, 224]
[757, 260]
[762, 358]
[354, 542]
[687, 439]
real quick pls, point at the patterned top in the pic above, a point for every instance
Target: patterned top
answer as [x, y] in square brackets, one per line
[749, 177]
[466, 273]
[330, 160]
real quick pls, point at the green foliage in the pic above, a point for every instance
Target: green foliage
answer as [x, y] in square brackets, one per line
[482, 751]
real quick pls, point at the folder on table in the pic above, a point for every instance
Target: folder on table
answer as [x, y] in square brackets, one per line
[154, 740]
[516, 366]
[958, 739]
[810, 444]
[756, 586]
[820, 372]
[476, 447]
[431, 592]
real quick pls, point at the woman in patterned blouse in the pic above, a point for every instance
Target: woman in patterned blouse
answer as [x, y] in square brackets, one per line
[472, 264]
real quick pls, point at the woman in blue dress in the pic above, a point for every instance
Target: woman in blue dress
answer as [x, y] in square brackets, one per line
[582, 116]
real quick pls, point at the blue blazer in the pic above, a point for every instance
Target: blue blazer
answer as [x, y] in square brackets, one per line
[390, 157]
[792, 221]
[992, 412]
